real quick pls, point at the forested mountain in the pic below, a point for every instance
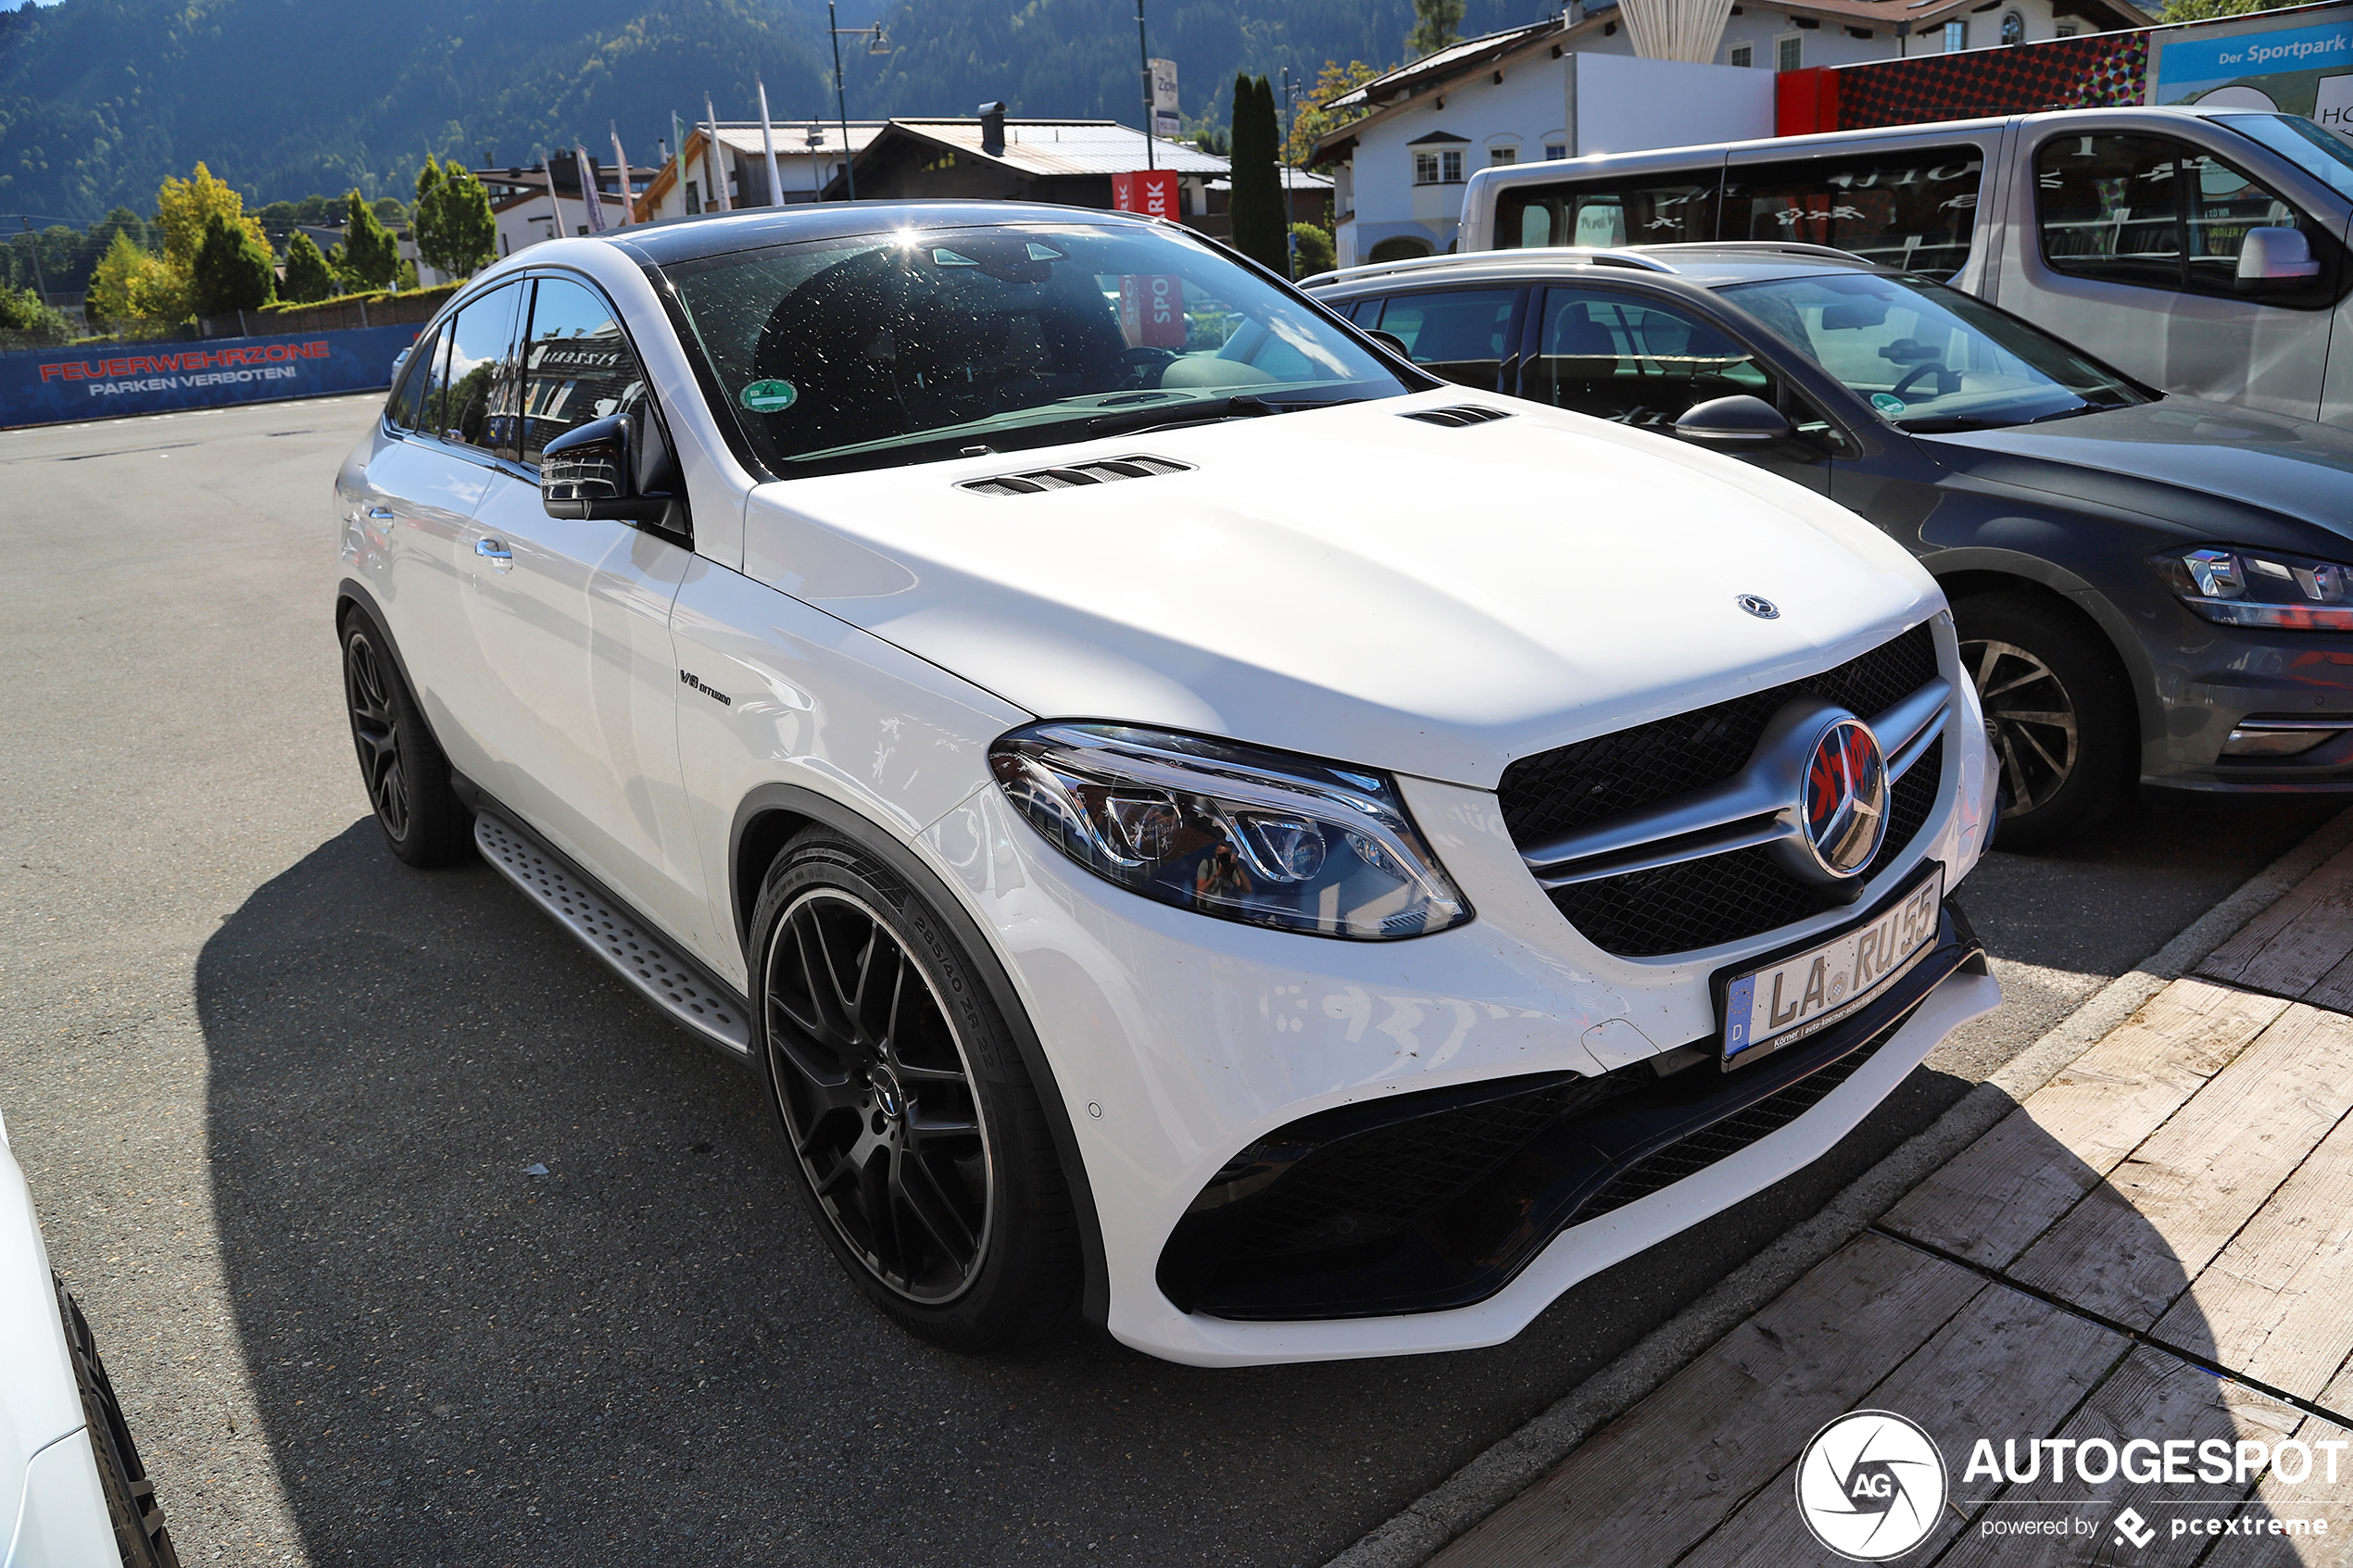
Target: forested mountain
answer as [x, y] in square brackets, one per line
[100, 99]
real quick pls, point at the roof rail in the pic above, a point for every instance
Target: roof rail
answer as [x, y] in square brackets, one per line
[1591, 255]
[1776, 247]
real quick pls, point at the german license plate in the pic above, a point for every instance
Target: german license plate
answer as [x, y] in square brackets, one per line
[1791, 997]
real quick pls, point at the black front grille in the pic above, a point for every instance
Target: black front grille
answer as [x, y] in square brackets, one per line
[1726, 897]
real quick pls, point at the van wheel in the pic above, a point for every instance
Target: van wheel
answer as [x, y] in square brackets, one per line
[919, 1143]
[400, 764]
[2063, 725]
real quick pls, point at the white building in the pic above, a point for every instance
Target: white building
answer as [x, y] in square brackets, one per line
[1572, 85]
[546, 200]
[808, 157]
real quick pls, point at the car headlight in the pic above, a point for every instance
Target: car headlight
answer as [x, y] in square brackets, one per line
[1232, 831]
[2237, 587]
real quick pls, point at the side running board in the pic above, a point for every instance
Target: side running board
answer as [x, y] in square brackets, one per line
[643, 959]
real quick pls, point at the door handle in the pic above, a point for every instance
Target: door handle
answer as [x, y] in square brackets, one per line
[379, 514]
[494, 550]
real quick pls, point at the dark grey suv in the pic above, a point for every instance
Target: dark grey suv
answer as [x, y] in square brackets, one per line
[2146, 586]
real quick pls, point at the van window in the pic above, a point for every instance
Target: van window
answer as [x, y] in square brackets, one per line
[1458, 334]
[1634, 361]
[1913, 208]
[2153, 212]
[1653, 210]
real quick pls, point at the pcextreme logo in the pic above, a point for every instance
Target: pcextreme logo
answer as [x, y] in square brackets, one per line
[1871, 1485]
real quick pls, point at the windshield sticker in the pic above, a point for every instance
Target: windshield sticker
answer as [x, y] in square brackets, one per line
[942, 256]
[1885, 402]
[770, 397]
[1044, 253]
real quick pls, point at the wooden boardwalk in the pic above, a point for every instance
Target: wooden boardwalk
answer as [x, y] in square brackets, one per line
[2157, 1245]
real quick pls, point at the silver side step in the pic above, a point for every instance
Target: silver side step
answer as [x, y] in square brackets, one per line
[617, 936]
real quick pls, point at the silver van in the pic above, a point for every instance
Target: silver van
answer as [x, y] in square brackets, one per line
[2203, 250]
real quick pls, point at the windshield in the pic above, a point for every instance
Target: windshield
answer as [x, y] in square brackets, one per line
[919, 345]
[2304, 145]
[1929, 358]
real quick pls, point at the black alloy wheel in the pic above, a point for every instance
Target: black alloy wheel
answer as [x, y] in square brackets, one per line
[140, 1535]
[876, 1097]
[401, 765]
[2061, 719]
[919, 1144]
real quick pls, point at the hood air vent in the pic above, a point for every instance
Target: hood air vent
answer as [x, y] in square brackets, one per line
[1460, 414]
[1101, 471]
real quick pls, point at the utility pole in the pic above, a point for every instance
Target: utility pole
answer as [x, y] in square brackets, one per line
[34, 251]
[1144, 54]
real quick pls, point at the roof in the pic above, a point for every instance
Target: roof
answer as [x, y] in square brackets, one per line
[682, 239]
[1064, 146]
[1449, 63]
[742, 136]
[1293, 180]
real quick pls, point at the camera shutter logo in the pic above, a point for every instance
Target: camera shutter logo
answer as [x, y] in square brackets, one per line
[1871, 1485]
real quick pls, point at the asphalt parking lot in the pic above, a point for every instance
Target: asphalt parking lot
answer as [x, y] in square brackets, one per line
[278, 1095]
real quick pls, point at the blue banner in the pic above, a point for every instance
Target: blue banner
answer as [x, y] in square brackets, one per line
[50, 386]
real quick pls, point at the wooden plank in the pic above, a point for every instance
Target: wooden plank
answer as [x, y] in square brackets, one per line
[1990, 1202]
[2312, 1499]
[2152, 1397]
[1719, 1428]
[2007, 1363]
[2290, 946]
[2273, 1304]
[2132, 1245]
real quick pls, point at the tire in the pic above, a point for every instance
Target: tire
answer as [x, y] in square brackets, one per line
[2066, 733]
[917, 1140]
[139, 1531]
[401, 766]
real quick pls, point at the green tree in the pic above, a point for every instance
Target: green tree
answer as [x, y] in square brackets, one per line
[1313, 250]
[454, 229]
[369, 254]
[1318, 119]
[308, 276]
[1438, 24]
[134, 284]
[185, 211]
[22, 310]
[2201, 10]
[1256, 207]
[233, 270]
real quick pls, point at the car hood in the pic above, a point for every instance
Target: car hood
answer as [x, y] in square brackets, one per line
[1351, 582]
[2174, 458]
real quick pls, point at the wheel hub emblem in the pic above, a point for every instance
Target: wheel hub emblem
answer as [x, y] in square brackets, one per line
[1844, 797]
[887, 1097]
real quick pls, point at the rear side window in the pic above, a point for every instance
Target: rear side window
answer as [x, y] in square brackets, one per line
[472, 398]
[2152, 212]
[1916, 210]
[1640, 211]
[577, 365]
[406, 405]
[1458, 333]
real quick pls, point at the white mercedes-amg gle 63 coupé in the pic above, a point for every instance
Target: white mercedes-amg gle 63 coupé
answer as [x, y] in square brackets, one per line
[1193, 822]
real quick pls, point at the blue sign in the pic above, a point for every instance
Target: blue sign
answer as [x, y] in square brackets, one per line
[53, 386]
[2306, 70]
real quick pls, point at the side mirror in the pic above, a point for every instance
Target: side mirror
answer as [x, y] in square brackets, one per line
[588, 472]
[1732, 421]
[2276, 254]
[1389, 341]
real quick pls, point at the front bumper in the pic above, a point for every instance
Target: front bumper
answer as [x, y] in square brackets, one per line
[2211, 679]
[1178, 1041]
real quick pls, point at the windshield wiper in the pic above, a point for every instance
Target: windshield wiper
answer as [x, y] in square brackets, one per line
[2087, 406]
[1951, 424]
[1241, 406]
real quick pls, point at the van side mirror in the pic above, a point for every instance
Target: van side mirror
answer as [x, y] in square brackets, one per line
[2274, 254]
[1732, 421]
[588, 472]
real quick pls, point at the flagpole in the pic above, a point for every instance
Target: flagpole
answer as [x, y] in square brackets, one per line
[628, 204]
[708, 147]
[768, 146]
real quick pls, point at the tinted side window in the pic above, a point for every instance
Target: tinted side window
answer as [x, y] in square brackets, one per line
[1458, 334]
[2158, 213]
[577, 366]
[1643, 211]
[472, 401]
[1914, 210]
[406, 405]
[1633, 361]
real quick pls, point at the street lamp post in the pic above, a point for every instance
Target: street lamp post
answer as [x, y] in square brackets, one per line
[876, 44]
[1144, 55]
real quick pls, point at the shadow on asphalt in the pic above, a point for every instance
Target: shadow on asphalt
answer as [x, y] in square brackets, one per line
[646, 1355]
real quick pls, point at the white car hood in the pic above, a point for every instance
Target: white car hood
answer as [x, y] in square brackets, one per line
[1353, 583]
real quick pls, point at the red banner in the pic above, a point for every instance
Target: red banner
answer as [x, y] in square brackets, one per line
[1151, 310]
[1153, 192]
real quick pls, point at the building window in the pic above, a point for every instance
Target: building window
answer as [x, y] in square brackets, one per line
[1743, 54]
[1554, 150]
[1956, 37]
[1789, 52]
[2064, 29]
[2013, 28]
[694, 198]
[1502, 154]
[1441, 168]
